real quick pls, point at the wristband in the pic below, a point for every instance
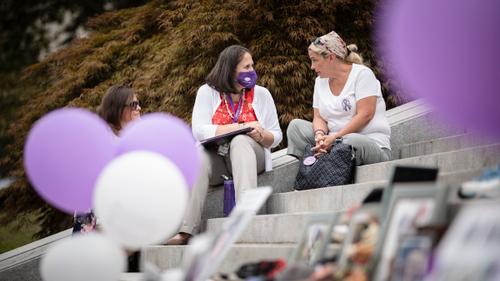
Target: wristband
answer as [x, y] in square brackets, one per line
[319, 130]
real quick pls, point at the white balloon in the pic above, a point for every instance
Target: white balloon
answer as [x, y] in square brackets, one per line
[83, 257]
[140, 198]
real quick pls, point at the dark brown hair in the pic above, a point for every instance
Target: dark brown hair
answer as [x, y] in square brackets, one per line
[222, 77]
[112, 105]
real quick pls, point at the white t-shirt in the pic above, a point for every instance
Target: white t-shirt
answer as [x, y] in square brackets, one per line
[207, 102]
[339, 110]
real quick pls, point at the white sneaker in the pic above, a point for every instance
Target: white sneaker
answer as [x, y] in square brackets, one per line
[486, 186]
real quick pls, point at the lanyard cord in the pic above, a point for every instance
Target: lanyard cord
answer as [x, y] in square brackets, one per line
[236, 115]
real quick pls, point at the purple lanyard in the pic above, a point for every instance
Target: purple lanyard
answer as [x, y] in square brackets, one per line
[238, 110]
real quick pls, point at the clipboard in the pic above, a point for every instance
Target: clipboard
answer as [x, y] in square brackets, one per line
[224, 138]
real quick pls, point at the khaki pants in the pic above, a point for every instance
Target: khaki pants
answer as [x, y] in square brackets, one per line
[246, 158]
[300, 133]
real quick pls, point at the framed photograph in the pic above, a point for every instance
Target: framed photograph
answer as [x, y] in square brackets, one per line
[411, 206]
[470, 249]
[315, 239]
[360, 242]
[412, 258]
[403, 175]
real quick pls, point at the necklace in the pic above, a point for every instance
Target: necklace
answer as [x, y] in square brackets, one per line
[237, 112]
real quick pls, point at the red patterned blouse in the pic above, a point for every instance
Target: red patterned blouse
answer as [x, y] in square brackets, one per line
[225, 113]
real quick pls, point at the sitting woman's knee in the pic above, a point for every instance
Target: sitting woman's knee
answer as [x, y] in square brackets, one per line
[354, 139]
[294, 126]
[239, 139]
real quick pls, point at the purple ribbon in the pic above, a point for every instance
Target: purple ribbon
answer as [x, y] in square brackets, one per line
[346, 105]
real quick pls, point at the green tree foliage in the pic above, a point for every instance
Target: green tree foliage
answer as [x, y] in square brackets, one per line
[165, 49]
[23, 33]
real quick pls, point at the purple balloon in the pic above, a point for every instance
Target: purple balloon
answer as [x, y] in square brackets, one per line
[446, 52]
[167, 135]
[64, 154]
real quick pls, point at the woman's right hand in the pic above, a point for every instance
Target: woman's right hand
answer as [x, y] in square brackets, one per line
[320, 134]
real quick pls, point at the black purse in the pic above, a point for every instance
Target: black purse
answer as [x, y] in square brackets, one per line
[337, 167]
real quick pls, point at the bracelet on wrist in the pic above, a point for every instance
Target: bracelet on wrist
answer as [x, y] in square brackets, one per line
[319, 131]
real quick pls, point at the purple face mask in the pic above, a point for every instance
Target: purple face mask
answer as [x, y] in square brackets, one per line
[247, 79]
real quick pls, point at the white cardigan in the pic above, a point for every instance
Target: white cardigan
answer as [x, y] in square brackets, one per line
[207, 102]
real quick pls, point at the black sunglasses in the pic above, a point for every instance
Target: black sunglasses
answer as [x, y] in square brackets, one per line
[319, 42]
[134, 105]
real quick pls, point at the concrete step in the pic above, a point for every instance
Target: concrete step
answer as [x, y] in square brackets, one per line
[131, 276]
[337, 198]
[459, 160]
[444, 145]
[167, 257]
[276, 228]
[415, 122]
[319, 200]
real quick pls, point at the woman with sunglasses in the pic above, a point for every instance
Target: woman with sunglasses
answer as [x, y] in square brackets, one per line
[347, 104]
[119, 106]
[231, 100]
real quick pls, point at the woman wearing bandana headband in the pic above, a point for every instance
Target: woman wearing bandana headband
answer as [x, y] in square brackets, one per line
[347, 104]
[231, 100]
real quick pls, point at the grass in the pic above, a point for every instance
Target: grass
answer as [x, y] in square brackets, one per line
[18, 233]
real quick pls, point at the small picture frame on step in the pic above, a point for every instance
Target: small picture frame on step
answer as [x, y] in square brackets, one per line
[411, 206]
[469, 249]
[403, 175]
[315, 238]
[360, 242]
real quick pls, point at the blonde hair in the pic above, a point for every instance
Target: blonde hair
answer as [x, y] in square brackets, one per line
[352, 55]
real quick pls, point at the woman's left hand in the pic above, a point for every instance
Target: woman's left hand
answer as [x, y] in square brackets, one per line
[325, 146]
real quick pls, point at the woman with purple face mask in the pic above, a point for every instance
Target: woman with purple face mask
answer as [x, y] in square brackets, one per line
[230, 100]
